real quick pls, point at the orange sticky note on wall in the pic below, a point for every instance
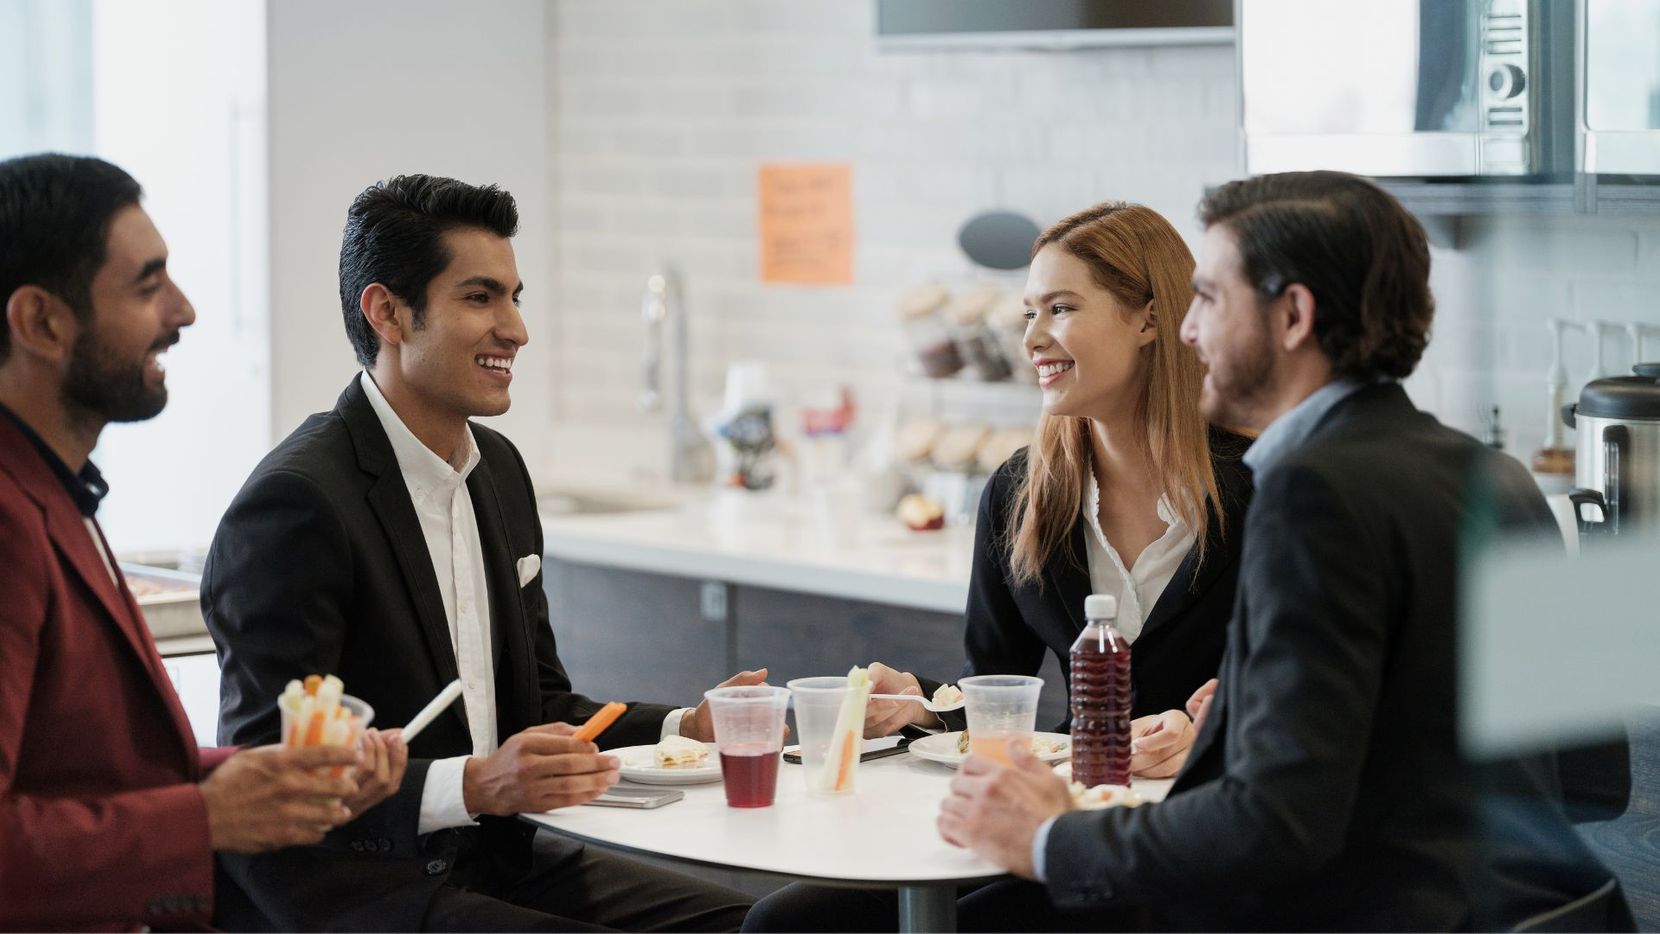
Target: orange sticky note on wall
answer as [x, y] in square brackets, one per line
[806, 223]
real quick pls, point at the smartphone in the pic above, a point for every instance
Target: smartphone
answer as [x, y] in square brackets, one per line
[879, 748]
[620, 796]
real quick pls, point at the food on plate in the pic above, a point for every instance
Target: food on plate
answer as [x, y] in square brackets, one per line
[1104, 796]
[920, 513]
[847, 740]
[1041, 745]
[312, 714]
[947, 695]
[598, 723]
[1049, 745]
[678, 752]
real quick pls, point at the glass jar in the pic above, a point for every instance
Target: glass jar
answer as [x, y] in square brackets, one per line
[926, 331]
[1007, 320]
[979, 347]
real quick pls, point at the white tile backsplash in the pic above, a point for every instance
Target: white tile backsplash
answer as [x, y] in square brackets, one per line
[664, 109]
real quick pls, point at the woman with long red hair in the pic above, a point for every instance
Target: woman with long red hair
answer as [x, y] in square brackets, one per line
[1124, 490]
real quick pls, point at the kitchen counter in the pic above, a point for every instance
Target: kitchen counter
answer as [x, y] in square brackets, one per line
[769, 540]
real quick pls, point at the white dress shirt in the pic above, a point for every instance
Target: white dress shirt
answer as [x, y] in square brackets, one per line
[445, 510]
[450, 526]
[1137, 588]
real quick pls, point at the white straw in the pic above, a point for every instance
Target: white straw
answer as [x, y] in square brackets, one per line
[433, 708]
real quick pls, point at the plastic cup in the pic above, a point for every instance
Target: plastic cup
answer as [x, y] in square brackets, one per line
[361, 715]
[749, 733]
[1000, 708]
[818, 702]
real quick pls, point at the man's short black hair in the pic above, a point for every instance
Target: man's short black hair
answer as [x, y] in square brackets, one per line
[55, 214]
[1363, 256]
[395, 236]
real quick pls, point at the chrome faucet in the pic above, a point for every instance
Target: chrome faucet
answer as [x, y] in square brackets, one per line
[691, 459]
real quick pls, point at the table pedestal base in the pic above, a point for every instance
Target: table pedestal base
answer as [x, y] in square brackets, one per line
[927, 908]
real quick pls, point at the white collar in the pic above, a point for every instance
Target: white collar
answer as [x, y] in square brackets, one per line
[420, 466]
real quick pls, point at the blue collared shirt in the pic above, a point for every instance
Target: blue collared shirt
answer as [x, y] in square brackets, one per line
[1288, 432]
[1282, 436]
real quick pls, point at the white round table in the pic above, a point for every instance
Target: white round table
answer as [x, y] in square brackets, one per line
[882, 836]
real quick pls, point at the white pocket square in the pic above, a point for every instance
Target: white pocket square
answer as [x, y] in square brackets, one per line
[529, 567]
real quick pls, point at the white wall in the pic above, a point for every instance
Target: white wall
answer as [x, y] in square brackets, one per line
[366, 90]
[1495, 293]
[664, 109]
[178, 101]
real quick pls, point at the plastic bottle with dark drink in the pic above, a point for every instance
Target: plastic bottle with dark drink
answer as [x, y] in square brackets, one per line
[1101, 697]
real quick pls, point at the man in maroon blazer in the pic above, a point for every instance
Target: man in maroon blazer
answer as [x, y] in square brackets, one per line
[109, 814]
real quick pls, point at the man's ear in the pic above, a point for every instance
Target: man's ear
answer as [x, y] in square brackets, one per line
[380, 308]
[42, 324]
[1298, 308]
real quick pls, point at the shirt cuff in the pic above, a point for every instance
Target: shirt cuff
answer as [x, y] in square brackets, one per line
[1040, 843]
[443, 802]
[671, 723]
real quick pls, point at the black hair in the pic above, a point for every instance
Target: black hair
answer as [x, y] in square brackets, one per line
[1353, 246]
[395, 236]
[55, 214]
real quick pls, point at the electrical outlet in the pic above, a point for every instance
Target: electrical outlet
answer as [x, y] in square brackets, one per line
[712, 601]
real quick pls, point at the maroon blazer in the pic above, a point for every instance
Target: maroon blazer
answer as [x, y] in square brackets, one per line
[101, 823]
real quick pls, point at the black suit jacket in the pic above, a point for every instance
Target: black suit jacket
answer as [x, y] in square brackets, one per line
[320, 566]
[1008, 629]
[1326, 790]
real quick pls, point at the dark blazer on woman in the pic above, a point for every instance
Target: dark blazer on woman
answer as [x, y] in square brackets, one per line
[1009, 628]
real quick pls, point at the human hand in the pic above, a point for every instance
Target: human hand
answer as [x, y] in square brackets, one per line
[700, 724]
[887, 717]
[1159, 744]
[270, 797]
[380, 773]
[996, 810]
[539, 769]
[1198, 706]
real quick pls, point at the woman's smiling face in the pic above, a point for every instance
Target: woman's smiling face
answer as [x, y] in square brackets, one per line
[1085, 342]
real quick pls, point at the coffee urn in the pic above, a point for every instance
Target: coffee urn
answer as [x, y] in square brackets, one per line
[1617, 461]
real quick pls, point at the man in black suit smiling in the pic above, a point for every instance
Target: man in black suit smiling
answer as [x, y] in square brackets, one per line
[396, 543]
[1326, 789]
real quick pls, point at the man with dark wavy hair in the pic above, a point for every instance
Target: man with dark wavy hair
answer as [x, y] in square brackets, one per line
[1326, 789]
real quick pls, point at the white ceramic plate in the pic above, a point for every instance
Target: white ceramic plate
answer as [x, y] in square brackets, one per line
[638, 765]
[942, 747]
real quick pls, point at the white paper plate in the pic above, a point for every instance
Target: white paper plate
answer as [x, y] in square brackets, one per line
[639, 765]
[942, 747]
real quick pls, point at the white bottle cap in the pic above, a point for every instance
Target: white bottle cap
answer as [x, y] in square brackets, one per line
[1100, 606]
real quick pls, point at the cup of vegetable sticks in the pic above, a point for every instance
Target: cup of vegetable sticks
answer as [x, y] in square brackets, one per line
[318, 712]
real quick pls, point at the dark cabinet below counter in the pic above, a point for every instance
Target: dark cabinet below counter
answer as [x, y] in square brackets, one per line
[629, 635]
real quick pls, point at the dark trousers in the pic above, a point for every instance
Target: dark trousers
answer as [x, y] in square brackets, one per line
[1008, 905]
[570, 887]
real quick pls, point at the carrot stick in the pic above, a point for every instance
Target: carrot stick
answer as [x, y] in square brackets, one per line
[844, 772]
[314, 731]
[312, 683]
[597, 723]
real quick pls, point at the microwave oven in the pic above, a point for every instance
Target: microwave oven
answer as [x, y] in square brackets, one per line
[1620, 87]
[1408, 88]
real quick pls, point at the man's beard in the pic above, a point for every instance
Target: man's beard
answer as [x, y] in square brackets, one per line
[1250, 381]
[111, 389]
